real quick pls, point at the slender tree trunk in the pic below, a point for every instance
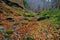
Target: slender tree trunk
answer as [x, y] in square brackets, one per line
[58, 3]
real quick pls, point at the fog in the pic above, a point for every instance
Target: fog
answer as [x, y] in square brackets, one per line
[36, 4]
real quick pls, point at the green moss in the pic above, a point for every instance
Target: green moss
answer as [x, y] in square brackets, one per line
[29, 14]
[27, 37]
[6, 36]
[9, 31]
[5, 14]
[54, 15]
[30, 19]
[24, 22]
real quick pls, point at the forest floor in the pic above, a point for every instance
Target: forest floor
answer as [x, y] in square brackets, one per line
[13, 18]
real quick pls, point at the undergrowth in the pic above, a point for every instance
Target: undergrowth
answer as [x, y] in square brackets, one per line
[54, 15]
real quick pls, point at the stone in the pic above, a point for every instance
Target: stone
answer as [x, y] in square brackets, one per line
[11, 19]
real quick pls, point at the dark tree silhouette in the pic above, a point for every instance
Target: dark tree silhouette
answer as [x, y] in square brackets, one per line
[58, 3]
[12, 4]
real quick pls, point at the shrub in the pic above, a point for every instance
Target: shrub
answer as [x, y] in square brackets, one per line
[54, 15]
[44, 13]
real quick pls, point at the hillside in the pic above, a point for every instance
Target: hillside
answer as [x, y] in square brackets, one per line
[16, 23]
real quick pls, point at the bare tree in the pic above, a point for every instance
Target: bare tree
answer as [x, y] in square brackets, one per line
[58, 3]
